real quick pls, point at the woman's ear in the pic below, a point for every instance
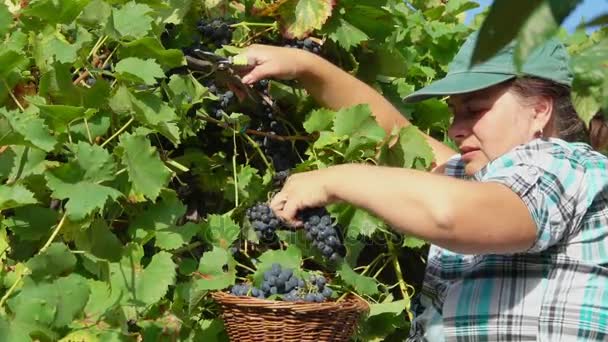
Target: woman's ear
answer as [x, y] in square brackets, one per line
[543, 110]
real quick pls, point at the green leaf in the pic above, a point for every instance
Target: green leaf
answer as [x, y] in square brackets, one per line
[363, 223]
[216, 271]
[345, 34]
[394, 308]
[146, 171]
[15, 196]
[26, 129]
[11, 61]
[151, 48]
[27, 161]
[176, 236]
[300, 17]
[319, 120]
[96, 12]
[361, 284]
[150, 110]
[59, 117]
[543, 23]
[507, 18]
[51, 304]
[6, 19]
[99, 241]
[412, 242]
[139, 70]
[31, 222]
[53, 262]
[100, 300]
[142, 286]
[51, 46]
[358, 124]
[55, 12]
[132, 20]
[84, 197]
[411, 151]
[221, 230]
[78, 181]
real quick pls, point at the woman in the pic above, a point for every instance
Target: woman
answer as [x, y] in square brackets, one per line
[517, 220]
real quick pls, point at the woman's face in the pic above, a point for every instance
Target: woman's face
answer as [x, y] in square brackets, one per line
[490, 122]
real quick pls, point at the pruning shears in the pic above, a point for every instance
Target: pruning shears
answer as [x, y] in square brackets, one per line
[225, 70]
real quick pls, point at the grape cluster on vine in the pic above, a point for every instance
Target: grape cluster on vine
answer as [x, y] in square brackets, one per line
[322, 232]
[264, 221]
[284, 283]
[217, 32]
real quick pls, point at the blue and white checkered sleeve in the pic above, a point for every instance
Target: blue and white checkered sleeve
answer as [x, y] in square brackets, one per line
[551, 186]
[454, 167]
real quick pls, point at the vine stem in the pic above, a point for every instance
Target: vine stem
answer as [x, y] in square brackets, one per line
[399, 274]
[120, 130]
[246, 267]
[10, 92]
[236, 181]
[23, 273]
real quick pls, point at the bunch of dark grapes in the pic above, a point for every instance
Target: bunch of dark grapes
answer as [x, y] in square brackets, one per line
[303, 44]
[322, 232]
[264, 221]
[279, 151]
[283, 282]
[217, 31]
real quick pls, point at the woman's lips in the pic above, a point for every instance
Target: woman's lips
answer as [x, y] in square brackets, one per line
[467, 154]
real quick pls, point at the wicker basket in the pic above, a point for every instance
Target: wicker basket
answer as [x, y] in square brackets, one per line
[253, 319]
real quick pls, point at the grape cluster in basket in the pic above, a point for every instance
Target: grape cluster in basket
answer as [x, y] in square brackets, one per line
[283, 282]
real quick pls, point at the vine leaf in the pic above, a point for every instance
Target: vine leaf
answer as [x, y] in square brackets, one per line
[56, 260]
[6, 19]
[221, 230]
[27, 161]
[345, 34]
[78, 181]
[55, 12]
[319, 120]
[54, 303]
[149, 110]
[138, 70]
[25, 129]
[411, 151]
[15, 196]
[31, 223]
[151, 48]
[216, 271]
[358, 124]
[132, 20]
[160, 220]
[99, 241]
[141, 286]
[361, 284]
[300, 17]
[147, 173]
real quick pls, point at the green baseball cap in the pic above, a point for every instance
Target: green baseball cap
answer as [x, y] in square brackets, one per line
[549, 61]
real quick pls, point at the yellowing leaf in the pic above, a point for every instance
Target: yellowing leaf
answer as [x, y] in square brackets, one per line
[300, 17]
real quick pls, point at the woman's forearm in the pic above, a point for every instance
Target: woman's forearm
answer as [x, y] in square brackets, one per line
[463, 216]
[335, 89]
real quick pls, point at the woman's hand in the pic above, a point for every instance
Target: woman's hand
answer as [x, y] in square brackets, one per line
[267, 61]
[301, 191]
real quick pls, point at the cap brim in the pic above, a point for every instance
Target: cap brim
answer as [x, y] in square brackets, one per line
[460, 83]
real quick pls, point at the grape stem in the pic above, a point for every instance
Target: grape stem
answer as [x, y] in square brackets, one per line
[13, 97]
[248, 24]
[258, 133]
[118, 132]
[236, 182]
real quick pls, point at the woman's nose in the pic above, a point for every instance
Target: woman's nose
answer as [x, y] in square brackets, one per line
[459, 129]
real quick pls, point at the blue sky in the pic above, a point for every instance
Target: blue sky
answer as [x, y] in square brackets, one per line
[588, 9]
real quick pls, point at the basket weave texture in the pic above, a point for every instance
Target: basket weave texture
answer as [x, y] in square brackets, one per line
[253, 319]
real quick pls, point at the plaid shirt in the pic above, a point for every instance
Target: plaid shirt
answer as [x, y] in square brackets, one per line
[555, 291]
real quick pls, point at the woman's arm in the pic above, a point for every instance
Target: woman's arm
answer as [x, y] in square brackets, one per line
[462, 216]
[330, 86]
